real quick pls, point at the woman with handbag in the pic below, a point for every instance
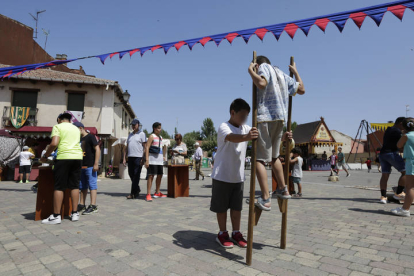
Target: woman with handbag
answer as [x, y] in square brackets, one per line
[154, 161]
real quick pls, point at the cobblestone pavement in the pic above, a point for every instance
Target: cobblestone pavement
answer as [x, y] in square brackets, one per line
[335, 229]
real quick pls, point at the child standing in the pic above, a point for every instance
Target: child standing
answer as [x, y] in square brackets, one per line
[154, 156]
[407, 141]
[333, 159]
[274, 89]
[228, 172]
[297, 174]
[368, 162]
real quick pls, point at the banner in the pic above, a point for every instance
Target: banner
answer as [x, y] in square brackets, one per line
[358, 16]
[19, 115]
[383, 127]
[76, 116]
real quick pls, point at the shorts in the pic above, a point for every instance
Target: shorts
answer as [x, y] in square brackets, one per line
[89, 179]
[391, 159]
[333, 167]
[67, 174]
[226, 196]
[25, 169]
[296, 179]
[409, 166]
[155, 170]
[270, 136]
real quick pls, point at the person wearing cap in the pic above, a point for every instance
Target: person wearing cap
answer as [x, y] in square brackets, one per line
[198, 157]
[25, 164]
[134, 152]
[179, 151]
[90, 167]
[67, 166]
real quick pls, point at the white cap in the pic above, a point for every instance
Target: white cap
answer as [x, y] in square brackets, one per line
[196, 144]
[25, 148]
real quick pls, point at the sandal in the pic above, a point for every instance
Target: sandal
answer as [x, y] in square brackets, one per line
[130, 197]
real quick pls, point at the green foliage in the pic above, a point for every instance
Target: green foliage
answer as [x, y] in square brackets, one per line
[189, 139]
[164, 134]
[294, 125]
[208, 146]
[146, 132]
[208, 131]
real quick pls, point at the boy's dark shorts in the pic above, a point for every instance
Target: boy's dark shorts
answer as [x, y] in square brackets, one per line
[25, 169]
[155, 170]
[67, 174]
[226, 196]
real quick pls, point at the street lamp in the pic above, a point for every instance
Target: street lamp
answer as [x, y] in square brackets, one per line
[125, 97]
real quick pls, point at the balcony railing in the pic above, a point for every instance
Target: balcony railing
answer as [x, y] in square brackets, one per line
[31, 120]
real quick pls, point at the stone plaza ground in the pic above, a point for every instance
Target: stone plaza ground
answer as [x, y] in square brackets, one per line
[335, 229]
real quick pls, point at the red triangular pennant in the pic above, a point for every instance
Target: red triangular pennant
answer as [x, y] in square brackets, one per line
[155, 48]
[291, 29]
[231, 36]
[204, 40]
[398, 11]
[261, 33]
[322, 23]
[179, 45]
[358, 18]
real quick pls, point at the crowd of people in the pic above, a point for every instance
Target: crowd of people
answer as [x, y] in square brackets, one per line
[76, 161]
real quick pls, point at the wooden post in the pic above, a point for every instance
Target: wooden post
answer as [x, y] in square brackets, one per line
[251, 222]
[283, 204]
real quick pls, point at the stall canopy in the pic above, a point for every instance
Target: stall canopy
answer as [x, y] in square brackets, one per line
[381, 126]
[358, 16]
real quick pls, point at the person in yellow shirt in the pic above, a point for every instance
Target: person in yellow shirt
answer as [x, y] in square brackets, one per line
[67, 167]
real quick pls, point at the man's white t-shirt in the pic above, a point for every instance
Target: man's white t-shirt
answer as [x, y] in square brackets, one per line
[230, 157]
[25, 158]
[135, 144]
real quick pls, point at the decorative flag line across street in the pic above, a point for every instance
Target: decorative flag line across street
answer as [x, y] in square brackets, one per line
[358, 16]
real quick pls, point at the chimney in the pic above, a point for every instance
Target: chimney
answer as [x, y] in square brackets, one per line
[61, 57]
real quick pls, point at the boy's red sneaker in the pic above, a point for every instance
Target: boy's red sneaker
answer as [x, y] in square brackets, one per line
[148, 198]
[224, 240]
[239, 240]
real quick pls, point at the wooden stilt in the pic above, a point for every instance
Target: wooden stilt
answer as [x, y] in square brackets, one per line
[283, 203]
[251, 222]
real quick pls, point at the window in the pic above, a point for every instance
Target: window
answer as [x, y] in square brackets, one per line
[126, 122]
[76, 102]
[25, 99]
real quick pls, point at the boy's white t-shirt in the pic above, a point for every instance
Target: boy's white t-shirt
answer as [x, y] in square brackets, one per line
[230, 157]
[25, 158]
[297, 168]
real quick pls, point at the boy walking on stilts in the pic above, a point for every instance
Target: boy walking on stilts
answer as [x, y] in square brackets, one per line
[274, 89]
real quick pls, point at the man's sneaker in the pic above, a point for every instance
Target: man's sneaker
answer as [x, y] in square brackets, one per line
[74, 216]
[91, 209]
[21, 181]
[148, 198]
[224, 240]
[52, 220]
[239, 240]
[81, 208]
[159, 195]
[401, 212]
[400, 196]
[27, 182]
[260, 203]
[383, 200]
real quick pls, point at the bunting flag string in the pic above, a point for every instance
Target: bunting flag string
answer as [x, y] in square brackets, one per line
[358, 16]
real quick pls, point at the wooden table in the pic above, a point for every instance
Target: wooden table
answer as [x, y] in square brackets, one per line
[178, 181]
[45, 190]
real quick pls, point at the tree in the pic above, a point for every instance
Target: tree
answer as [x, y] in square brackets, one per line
[175, 131]
[146, 132]
[294, 125]
[189, 139]
[208, 130]
[208, 146]
[164, 134]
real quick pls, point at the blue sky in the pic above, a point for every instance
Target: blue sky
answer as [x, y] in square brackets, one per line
[359, 74]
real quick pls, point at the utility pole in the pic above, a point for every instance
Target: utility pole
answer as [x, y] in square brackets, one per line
[407, 108]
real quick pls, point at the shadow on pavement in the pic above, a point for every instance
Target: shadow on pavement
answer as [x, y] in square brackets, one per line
[206, 241]
[29, 216]
[17, 190]
[381, 212]
[368, 200]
